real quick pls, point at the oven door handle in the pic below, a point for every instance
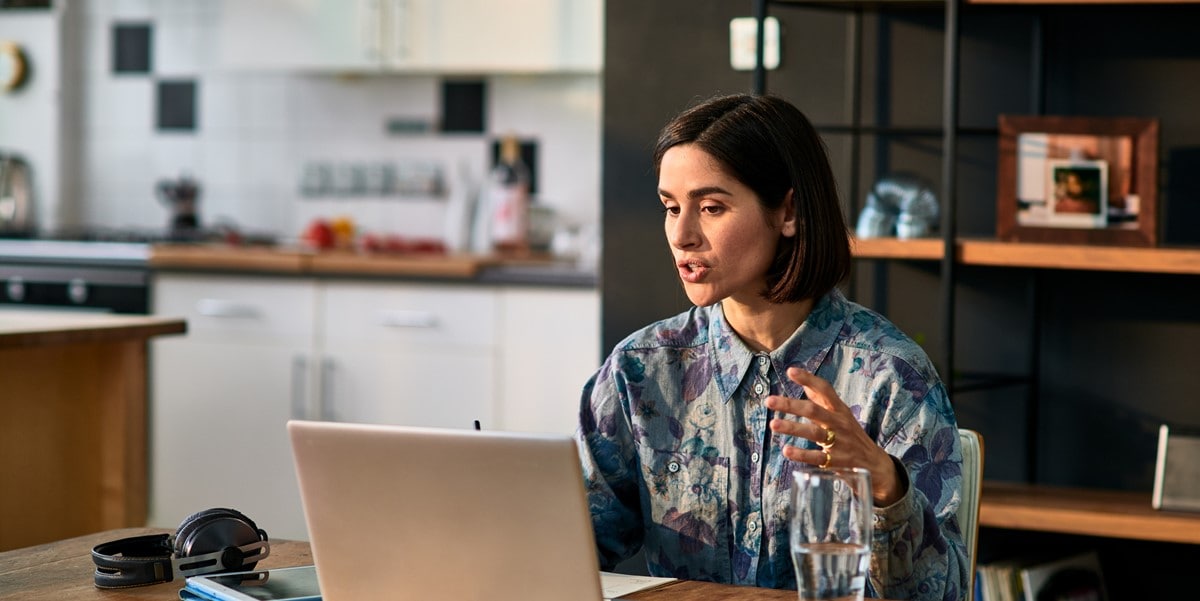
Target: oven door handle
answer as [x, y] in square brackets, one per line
[215, 307]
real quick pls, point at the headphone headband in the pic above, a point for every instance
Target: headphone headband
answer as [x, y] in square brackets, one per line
[155, 558]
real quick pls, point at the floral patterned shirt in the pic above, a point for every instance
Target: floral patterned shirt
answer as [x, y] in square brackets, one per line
[679, 460]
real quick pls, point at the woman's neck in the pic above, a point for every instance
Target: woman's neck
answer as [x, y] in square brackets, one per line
[765, 326]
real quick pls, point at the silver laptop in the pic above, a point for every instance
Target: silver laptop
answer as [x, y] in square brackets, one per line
[421, 513]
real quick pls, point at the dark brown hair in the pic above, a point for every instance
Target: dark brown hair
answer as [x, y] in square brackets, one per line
[768, 145]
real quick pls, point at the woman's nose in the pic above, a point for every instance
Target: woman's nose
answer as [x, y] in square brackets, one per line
[682, 231]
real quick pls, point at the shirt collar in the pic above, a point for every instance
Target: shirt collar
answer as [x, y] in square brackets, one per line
[807, 347]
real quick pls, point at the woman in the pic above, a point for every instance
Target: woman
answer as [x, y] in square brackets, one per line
[691, 429]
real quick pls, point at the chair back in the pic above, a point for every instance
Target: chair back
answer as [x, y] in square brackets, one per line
[968, 507]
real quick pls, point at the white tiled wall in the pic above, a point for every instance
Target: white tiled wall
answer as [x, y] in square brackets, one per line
[256, 132]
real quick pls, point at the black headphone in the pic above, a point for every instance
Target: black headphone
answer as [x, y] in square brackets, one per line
[213, 540]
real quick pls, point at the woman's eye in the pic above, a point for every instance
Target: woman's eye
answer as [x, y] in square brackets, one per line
[671, 210]
[713, 209]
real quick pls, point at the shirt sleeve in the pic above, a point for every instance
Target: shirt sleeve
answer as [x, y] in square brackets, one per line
[610, 467]
[918, 551]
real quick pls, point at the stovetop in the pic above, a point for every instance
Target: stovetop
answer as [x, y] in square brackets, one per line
[108, 246]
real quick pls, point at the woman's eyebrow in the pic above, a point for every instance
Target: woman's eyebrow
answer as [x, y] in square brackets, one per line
[697, 193]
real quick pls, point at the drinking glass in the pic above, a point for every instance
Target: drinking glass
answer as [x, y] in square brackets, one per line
[832, 522]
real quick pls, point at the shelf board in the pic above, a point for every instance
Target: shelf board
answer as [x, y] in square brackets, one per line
[995, 253]
[1070, 256]
[1107, 513]
[920, 249]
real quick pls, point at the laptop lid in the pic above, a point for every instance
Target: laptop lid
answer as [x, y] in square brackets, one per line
[422, 513]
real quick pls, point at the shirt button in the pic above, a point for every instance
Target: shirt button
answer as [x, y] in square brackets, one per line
[673, 467]
[752, 526]
[762, 360]
[758, 388]
[754, 457]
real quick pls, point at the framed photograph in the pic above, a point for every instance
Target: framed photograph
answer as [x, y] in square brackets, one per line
[1078, 180]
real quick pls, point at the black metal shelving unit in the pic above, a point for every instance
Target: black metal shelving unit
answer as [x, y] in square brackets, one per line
[949, 133]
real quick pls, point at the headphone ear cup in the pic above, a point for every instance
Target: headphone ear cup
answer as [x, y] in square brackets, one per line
[214, 530]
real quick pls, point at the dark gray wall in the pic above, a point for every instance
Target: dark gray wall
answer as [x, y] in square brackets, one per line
[659, 57]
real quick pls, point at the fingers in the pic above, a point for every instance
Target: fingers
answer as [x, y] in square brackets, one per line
[816, 388]
[824, 414]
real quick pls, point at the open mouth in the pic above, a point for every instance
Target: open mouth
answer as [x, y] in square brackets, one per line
[692, 271]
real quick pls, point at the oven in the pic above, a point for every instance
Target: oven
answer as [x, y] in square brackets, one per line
[109, 277]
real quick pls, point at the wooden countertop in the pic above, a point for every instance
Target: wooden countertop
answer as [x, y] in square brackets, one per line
[293, 260]
[19, 328]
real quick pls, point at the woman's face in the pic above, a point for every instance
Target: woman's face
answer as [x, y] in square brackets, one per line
[722, 240]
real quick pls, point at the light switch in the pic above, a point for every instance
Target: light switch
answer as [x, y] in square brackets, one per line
[743, 34]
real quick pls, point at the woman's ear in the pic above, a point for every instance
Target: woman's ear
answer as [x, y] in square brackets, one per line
[787, 227]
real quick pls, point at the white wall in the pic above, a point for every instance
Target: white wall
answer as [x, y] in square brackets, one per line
[256, 132]
[30, 116]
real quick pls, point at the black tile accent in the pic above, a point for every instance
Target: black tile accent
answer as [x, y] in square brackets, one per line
[133, 45]
[176, 104]
[463, 106]
[529, 152]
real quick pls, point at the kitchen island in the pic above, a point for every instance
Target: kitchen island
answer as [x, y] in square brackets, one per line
[73, 435]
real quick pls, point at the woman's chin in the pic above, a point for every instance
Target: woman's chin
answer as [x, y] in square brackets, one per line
[700, 297]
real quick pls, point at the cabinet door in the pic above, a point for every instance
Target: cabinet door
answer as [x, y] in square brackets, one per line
[219, 435]
[221, 397]
[408, 354]
[515, 35]
[301, 34]
[551, 346]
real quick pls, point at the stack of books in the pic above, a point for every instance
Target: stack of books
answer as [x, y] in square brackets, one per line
[1075, 578]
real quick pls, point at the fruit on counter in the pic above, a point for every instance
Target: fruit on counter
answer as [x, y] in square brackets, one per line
[343, 232]
[319, 234]
[400, 245]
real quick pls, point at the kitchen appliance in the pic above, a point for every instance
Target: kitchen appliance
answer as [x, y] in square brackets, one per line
[16, 196]
[109, 277]
[181, 195]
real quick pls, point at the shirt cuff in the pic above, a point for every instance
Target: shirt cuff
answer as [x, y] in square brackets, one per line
[897, 514]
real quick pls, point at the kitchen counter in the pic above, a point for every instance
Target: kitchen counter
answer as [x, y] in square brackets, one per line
[73, 438]
[493, 269]
[31, 329]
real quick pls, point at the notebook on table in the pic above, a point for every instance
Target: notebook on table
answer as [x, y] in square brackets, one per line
[421, 513]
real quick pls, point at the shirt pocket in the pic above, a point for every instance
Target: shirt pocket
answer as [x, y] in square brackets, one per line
[687, 495]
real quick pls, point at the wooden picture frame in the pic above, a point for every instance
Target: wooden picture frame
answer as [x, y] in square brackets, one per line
[1034, 149]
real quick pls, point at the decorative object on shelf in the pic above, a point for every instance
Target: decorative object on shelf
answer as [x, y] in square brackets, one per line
[901, 205]
[1078, 180]
[1177, 470]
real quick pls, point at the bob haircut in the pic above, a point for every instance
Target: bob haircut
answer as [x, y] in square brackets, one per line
[768, 145]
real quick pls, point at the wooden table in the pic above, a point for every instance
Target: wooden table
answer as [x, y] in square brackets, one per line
[62, 571]
[73, 432]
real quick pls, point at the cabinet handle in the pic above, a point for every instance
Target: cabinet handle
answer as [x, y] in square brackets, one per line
[325, 406]
[401, 318]
[215, 307]
[398, 29]
[370, 20]
[300, 387]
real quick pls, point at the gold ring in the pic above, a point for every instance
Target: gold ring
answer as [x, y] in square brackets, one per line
[828, 459]
[830, 437]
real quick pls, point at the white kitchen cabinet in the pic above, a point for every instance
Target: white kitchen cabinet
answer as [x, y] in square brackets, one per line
[300, 34]
[463, 36]
[551, 346]
[516, 35]
[260, 351]
[408, 354]
[222, 394]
